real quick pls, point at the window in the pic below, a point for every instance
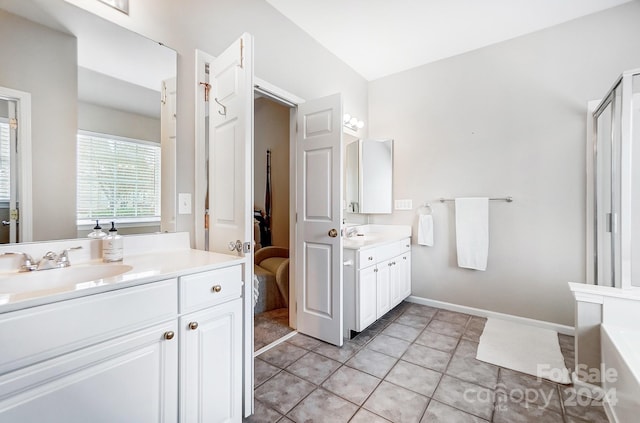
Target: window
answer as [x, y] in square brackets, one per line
[118, 178]
[5, 162]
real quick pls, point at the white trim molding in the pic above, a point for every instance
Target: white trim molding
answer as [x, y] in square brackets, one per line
[563, 329]
[24, 167]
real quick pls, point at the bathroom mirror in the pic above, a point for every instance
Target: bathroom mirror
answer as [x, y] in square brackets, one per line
[84, 73]
[369, 177]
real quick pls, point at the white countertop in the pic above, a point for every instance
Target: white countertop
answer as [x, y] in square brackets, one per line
[47, 286]
[374, 235]
[595, 293]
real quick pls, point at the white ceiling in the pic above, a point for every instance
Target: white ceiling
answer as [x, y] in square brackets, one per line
[381, 37]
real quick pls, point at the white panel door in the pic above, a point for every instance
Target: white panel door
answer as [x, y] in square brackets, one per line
[318, 274]
[231, 174]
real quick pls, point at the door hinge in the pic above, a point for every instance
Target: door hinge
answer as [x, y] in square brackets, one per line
[207, 88]
[13, 214]
[163, 95]
[609, 222]
[246, 247]
[13, 123]
[241, 53]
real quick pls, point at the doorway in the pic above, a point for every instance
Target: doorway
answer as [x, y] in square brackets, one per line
[15, 166]
[271, 219]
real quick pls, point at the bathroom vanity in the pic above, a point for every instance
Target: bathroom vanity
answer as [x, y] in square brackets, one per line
[377, 273]
[154, 342]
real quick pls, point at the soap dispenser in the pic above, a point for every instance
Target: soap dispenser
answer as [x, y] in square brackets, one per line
[112, 248]
[97, 232]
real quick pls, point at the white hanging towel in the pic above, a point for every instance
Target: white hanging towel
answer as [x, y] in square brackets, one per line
[472, 232]
[425, 230]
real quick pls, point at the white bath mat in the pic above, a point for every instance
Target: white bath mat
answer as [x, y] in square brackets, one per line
[523, 348]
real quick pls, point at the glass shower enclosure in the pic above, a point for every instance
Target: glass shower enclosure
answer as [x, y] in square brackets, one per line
[613, 194]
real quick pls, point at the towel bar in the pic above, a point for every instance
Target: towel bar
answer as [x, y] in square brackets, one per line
[507, 199]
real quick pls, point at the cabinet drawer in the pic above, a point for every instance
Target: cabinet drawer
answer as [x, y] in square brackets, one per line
[393, 249]
[367, 258]
[39, 333]
[205, 289]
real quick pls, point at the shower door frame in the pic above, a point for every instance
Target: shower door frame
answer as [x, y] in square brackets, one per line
[621, 178]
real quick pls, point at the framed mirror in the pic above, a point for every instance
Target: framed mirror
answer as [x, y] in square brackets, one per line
[102, 120]
[369, 177]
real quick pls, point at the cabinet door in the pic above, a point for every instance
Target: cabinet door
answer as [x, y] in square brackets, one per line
[128, 379]
[395, 288]
[404, 275]
[211, 364]
[383, 282]
[366, 297]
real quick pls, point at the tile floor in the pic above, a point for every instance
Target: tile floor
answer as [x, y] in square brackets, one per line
[415, 364]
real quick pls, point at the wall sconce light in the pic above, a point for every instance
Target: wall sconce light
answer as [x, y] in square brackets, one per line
[352, 122]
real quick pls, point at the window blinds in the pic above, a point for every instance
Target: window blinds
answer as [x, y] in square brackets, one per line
[117, 177]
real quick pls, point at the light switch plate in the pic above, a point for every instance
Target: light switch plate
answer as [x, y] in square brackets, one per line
[184, 203]
[404, 204]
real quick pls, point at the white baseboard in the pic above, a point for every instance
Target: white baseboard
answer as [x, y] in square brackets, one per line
[566, 330]
[275, 343]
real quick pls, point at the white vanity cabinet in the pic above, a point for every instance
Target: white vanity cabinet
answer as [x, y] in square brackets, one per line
[211, 346]
[102, 358]
[163, 351]
[376, 279]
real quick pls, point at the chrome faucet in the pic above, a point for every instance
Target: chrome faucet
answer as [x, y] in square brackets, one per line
[50, 260]
[28, 264]
[350, 232]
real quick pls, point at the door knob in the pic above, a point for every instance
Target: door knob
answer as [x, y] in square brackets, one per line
[235, 246]
[333, 233]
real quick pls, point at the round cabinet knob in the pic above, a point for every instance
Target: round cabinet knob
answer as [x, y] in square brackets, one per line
[169, 335]
[216, 288]
[333, 233]
[193, 325]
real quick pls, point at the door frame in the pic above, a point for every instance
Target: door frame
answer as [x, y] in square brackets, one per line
[201, 180]
[25, 228]
[292, 101]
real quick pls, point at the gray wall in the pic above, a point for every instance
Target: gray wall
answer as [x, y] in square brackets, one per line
[508, 119]
[43, 56]
[104, 120]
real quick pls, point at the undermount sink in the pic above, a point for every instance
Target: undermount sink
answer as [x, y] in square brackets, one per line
[52, 279]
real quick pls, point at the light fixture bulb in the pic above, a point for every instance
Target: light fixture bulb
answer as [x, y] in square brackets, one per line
[360, 124]
[346, 118]
[353, 121]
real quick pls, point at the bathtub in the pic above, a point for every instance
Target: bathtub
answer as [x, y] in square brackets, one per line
[621, 351]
